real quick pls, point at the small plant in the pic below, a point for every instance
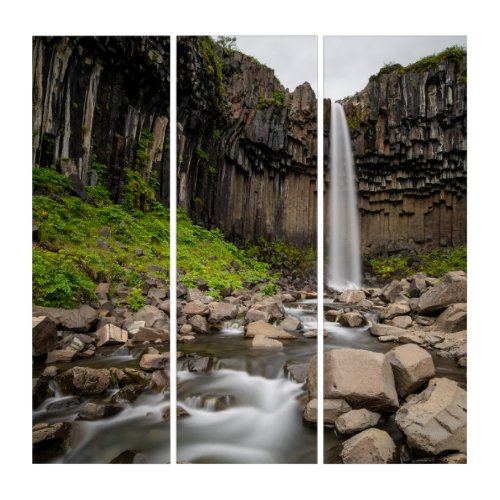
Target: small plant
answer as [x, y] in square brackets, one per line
[269, 289]
[201, 153]
[277, 99]
[212, 170]
[135, 299]
[216, 134]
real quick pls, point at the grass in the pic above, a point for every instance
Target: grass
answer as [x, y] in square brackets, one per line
[277, 99]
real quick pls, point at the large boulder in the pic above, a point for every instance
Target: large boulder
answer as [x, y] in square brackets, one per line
[392, 291]
[274, 307]
[221, 311]
[381, 330]
[363, 378]
[111, 334]
[150, 335]
[412, 367]
[453, 318]
[356, 421]
[95, 411]
[452, 289]
[41, 391]
[50, 440]
[290, 324]
[256, 315]
[149, 314]
[435, 420]
[84, 381]
[267, 330]
[351, 296]
[263, 342]
[352, 319]
[195, 307]
[332, 409]
[61, 356]
[199, 323]
[82, 319]
[417, 285]
[372, 446]
[150, 362]
[44, 335]
[396, 309]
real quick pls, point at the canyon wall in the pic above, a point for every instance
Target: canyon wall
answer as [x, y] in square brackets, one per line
[247, 146]
[409, 140]
[102, 100]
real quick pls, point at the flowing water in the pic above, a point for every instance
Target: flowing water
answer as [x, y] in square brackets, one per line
[344, 267]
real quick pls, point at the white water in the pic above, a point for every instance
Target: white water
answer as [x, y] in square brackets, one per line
[344, 268]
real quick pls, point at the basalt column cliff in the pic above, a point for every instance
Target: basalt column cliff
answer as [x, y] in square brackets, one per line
[408, 128]
[102, 101]
[247, 146]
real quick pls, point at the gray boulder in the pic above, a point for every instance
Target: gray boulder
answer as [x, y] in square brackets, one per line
[372, 446]
[44, 335]
[452, 289]
[452, 319]
[356, 421]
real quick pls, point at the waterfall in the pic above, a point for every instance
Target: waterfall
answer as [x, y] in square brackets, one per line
[344, 266]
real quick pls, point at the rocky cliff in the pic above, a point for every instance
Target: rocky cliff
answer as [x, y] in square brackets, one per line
[102, 101]
[247, 146]
[409, 138]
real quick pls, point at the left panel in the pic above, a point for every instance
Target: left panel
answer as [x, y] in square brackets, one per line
[100, 249]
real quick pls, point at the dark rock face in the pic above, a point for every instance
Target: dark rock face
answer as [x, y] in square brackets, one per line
[246, 145]
[93, 99]
[409, 140]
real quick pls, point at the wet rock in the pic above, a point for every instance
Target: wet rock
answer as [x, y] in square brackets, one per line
[256, 315]
[119, 377]
[44, 335]
[137, 376]
[84, 381]
[130, 457]
[452, 319]
[352, 319]
[41, 391]
[181, 413]
[332, 315]
[435, 420]
[160, 380]
[50, 372]
[453, 458]
[96, 411]
[49, 440]
[150, 362]
[199, 323]
[82, 319]
[356, 421]
[313, 334]
[311, 412]
[186, 329]
[111, 334]
[351, 296]
[195, 307]
[149, 314]
[412, 367]
[363, 378]
[401, 322]
[462, 362]
[379, 330]
[221, 311]
[396, 309]
[61, 356]
[296, 371]
[452, 289]
[127, 394]
[372, 446]
[150, 335]
[262, 342]
[202, 364]
[266, 330]
[290, 324]
[272, 306]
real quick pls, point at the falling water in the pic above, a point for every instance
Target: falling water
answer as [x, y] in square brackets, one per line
[344, 269]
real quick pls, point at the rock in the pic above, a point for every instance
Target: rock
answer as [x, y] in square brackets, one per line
[379, 330]
[160, 380]
[199, 324]
[202, 364]
[50, 372]
[96, 411]
[61, 356]
[454, 343]
[221, 311]
[311, 411]
[363, 378]
[186, 329]
[44, 335]
[49, 440]
[351, 296]
[136, 376]
[290, 324]
[417, 286]
[352, 319]
[424, 320]
[84, 381]
[272, 306]
[401, 322]
[396, 309]
[356, 421]
[435, 420]
[193, 294]
[149, 314]
[452, 289]
[332, 409]
[372, 446]
[261, 341]
[195, 307]
[82, 319]
[453, 458]
[157, 295]
[412, 367]
[313, 334]
[332, 315]
[412, 337]
[391, 291]
[133, 327]
[150, 362]
[453, 318]
[130, 457]
[365, 305]
[150, 335]
[296, 371]
[256, 315]
[74, 343]
[111, 334]
[462, 362]
[41, 391]
[102, 291]
[267, 330]
[122, 291]
[162, 326]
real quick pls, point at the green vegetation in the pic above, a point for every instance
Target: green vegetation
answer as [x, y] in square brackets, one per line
[48, 180]
[277, 99]
[434, 263]
[354, 120]
[213, 61]
[227, 42]
[456, 54]
[201, 153]
[142, 155]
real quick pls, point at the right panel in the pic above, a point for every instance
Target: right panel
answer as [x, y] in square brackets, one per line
[395, 245]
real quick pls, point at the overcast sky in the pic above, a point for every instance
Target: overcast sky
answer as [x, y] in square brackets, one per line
[293, 58]
[351, 60]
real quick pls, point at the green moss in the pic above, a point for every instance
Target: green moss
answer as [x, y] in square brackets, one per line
[354, 120]
[48, 180]
[213, 60]
[201, 153]
[277, 99]
[212, 170]
[135, 299]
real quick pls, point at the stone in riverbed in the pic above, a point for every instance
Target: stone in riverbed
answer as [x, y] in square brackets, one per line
[150, 362]
[396, 309]
[391, 291]
[332, 409]
[96, 411]
[356, 421]
[111, 334]
[296, 371]
[372, 446]
[82, 319]
[199, 323]
[412, 367]
[363, 378]
[401, 322]
[130, 457]
[351, 296]
[61, 356]
[452, 289]
[452, 319]
[267, 330]
[379, 330]
[44, 335]
[221, 311]
[272, 306]
[435, 420]
[263, 342]
[84, 381]
[150, 335]
[352, 319]
[290, 324]
[149, 314]
[453, 458]
[195, 307]
[256, 315]
[332, 315]
[49, 440]
[41, 391]
[127, 394]
[417, 286]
